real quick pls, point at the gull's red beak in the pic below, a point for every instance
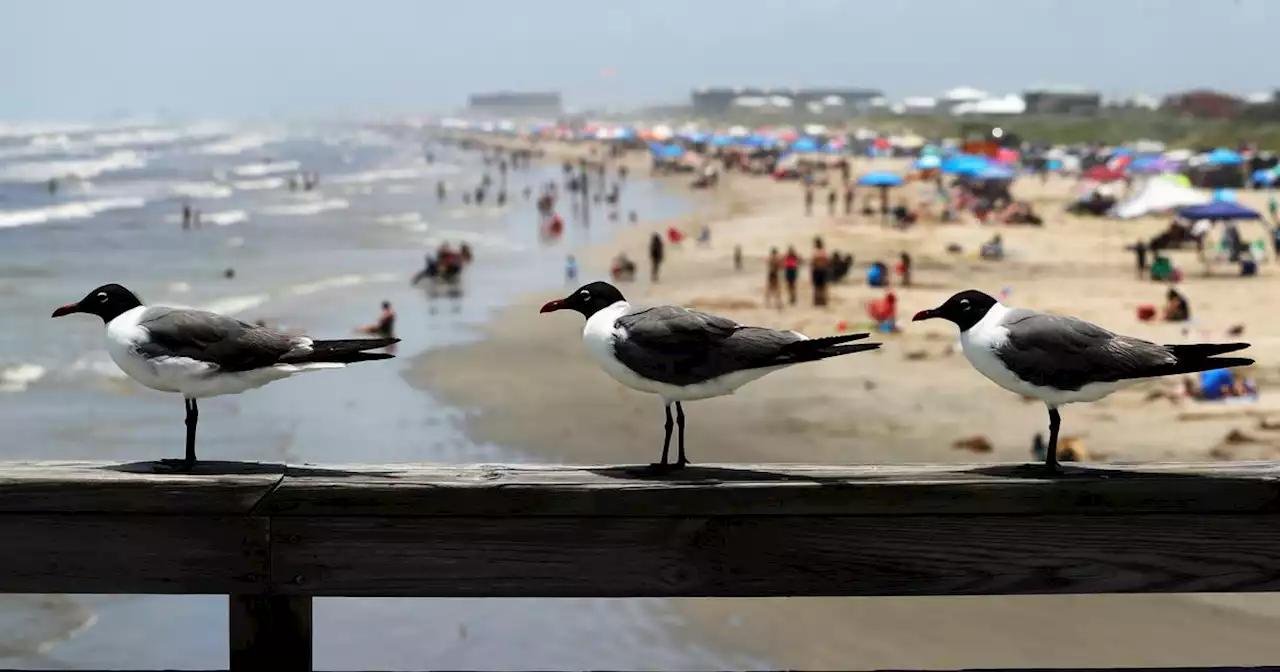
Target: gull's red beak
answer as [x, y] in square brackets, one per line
[67, 310]
[924, 315]
[548, 307]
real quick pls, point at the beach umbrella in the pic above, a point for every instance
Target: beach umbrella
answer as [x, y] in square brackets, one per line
[995, 172]
[671, 151]
[1218, 210]
[928, 162]
[804, 145]
[721, 140]
[964, 164]
[881, 179]
[1224, 156]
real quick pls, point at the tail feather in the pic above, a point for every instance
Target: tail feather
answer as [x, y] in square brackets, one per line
[1203, 364]
[813, 349]
[1202, 350]
[345, 351]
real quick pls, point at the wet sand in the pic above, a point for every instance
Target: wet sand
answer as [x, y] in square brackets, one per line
[908, 402]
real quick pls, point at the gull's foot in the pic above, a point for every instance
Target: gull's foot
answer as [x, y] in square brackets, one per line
[664, 467]
[178, 464]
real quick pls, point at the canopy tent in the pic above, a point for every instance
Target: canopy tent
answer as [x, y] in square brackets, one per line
[1218, 210]
[1156, 196]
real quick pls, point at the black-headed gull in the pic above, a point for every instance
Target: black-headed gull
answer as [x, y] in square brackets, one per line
[1064, 360]
[200, 354]
[684, 355]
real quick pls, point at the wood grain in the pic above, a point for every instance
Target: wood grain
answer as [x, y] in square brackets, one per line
[758, 556]
[138, 487]
[133, 554]
[508, 490]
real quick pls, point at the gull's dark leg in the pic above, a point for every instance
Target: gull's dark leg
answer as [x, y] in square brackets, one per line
[666, 442]
[681, 460]
[189, 461]
[1051, 453]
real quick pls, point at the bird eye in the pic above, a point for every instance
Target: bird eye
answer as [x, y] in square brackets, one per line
[102, 297]
[584, 294]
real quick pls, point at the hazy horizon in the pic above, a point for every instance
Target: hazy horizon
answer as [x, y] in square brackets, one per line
[67, 59]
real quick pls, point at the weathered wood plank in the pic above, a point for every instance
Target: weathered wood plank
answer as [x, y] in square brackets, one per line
[133, 554]
[754, 556]
[270, 632]
[493, 490]
[137, 487]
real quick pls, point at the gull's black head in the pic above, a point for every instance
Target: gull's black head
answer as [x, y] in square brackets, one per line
[107, 302]
[588, 299]
[963, 309]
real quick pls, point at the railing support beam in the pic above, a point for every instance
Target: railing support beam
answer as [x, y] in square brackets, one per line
[270, 632]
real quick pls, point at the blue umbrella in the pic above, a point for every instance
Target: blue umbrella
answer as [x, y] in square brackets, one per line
[881, 179]
[1218, 210]
[995, 171]
[1227, 195]
[721, 141]
[1224, 156]
[965, 164]
[928, 162]
[671, 151]
[805, 144]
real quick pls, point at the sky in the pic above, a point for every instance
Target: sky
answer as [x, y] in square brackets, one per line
[86, 59]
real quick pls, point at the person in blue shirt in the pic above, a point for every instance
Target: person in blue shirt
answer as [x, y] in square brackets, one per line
[1216, 384]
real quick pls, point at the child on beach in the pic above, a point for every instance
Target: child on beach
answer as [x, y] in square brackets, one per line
[791, 270]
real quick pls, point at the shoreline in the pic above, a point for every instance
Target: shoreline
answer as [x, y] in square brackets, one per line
[908, 402]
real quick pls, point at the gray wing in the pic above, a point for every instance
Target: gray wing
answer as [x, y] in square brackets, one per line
[679, 346]
[209, 337]
[1068, 353]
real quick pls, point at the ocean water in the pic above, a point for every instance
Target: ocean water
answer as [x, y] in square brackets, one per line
[320, 261]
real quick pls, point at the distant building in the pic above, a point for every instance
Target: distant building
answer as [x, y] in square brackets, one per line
[1203, 104]
[1072, 102]
[715, 101]
[516, 103]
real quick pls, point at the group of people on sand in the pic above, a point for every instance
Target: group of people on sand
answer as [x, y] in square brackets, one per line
[444, 267]
[825, 268]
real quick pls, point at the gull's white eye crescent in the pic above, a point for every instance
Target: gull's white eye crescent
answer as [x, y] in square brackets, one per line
[584, 294]
[964, 303]
[102, 296]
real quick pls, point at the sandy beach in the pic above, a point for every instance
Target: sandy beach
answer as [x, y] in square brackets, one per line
[911, 401]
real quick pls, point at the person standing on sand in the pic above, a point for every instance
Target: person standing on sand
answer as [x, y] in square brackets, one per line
[808, 198]
[791, 271]
[571, 270]
[186, 216]
[819, 267]
[737, 258]
[848, 198]
[831, 202]
[904, 269]
[773, 280]
[656, 251]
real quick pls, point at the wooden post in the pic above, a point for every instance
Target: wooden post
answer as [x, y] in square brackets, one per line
[270, 632]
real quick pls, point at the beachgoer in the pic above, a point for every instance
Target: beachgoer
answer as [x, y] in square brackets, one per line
[773, 280]
[737, 257]
[848, 198]
[186, 216]
[195, 219]
[385, 326]
[819, 266]
[1176, 307]
[571, 270]
[791, 271]
[1140, 258]
[656, 250]
[53, 186]
[904, 269]
[808, 199]
[441, 191]
[464, 253]
[831, 202]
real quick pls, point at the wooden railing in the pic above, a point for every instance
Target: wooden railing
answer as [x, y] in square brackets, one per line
[273, 536]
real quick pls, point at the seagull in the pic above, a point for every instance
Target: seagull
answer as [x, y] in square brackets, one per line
[1063, 360]
[684, 355]
[200, 354]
